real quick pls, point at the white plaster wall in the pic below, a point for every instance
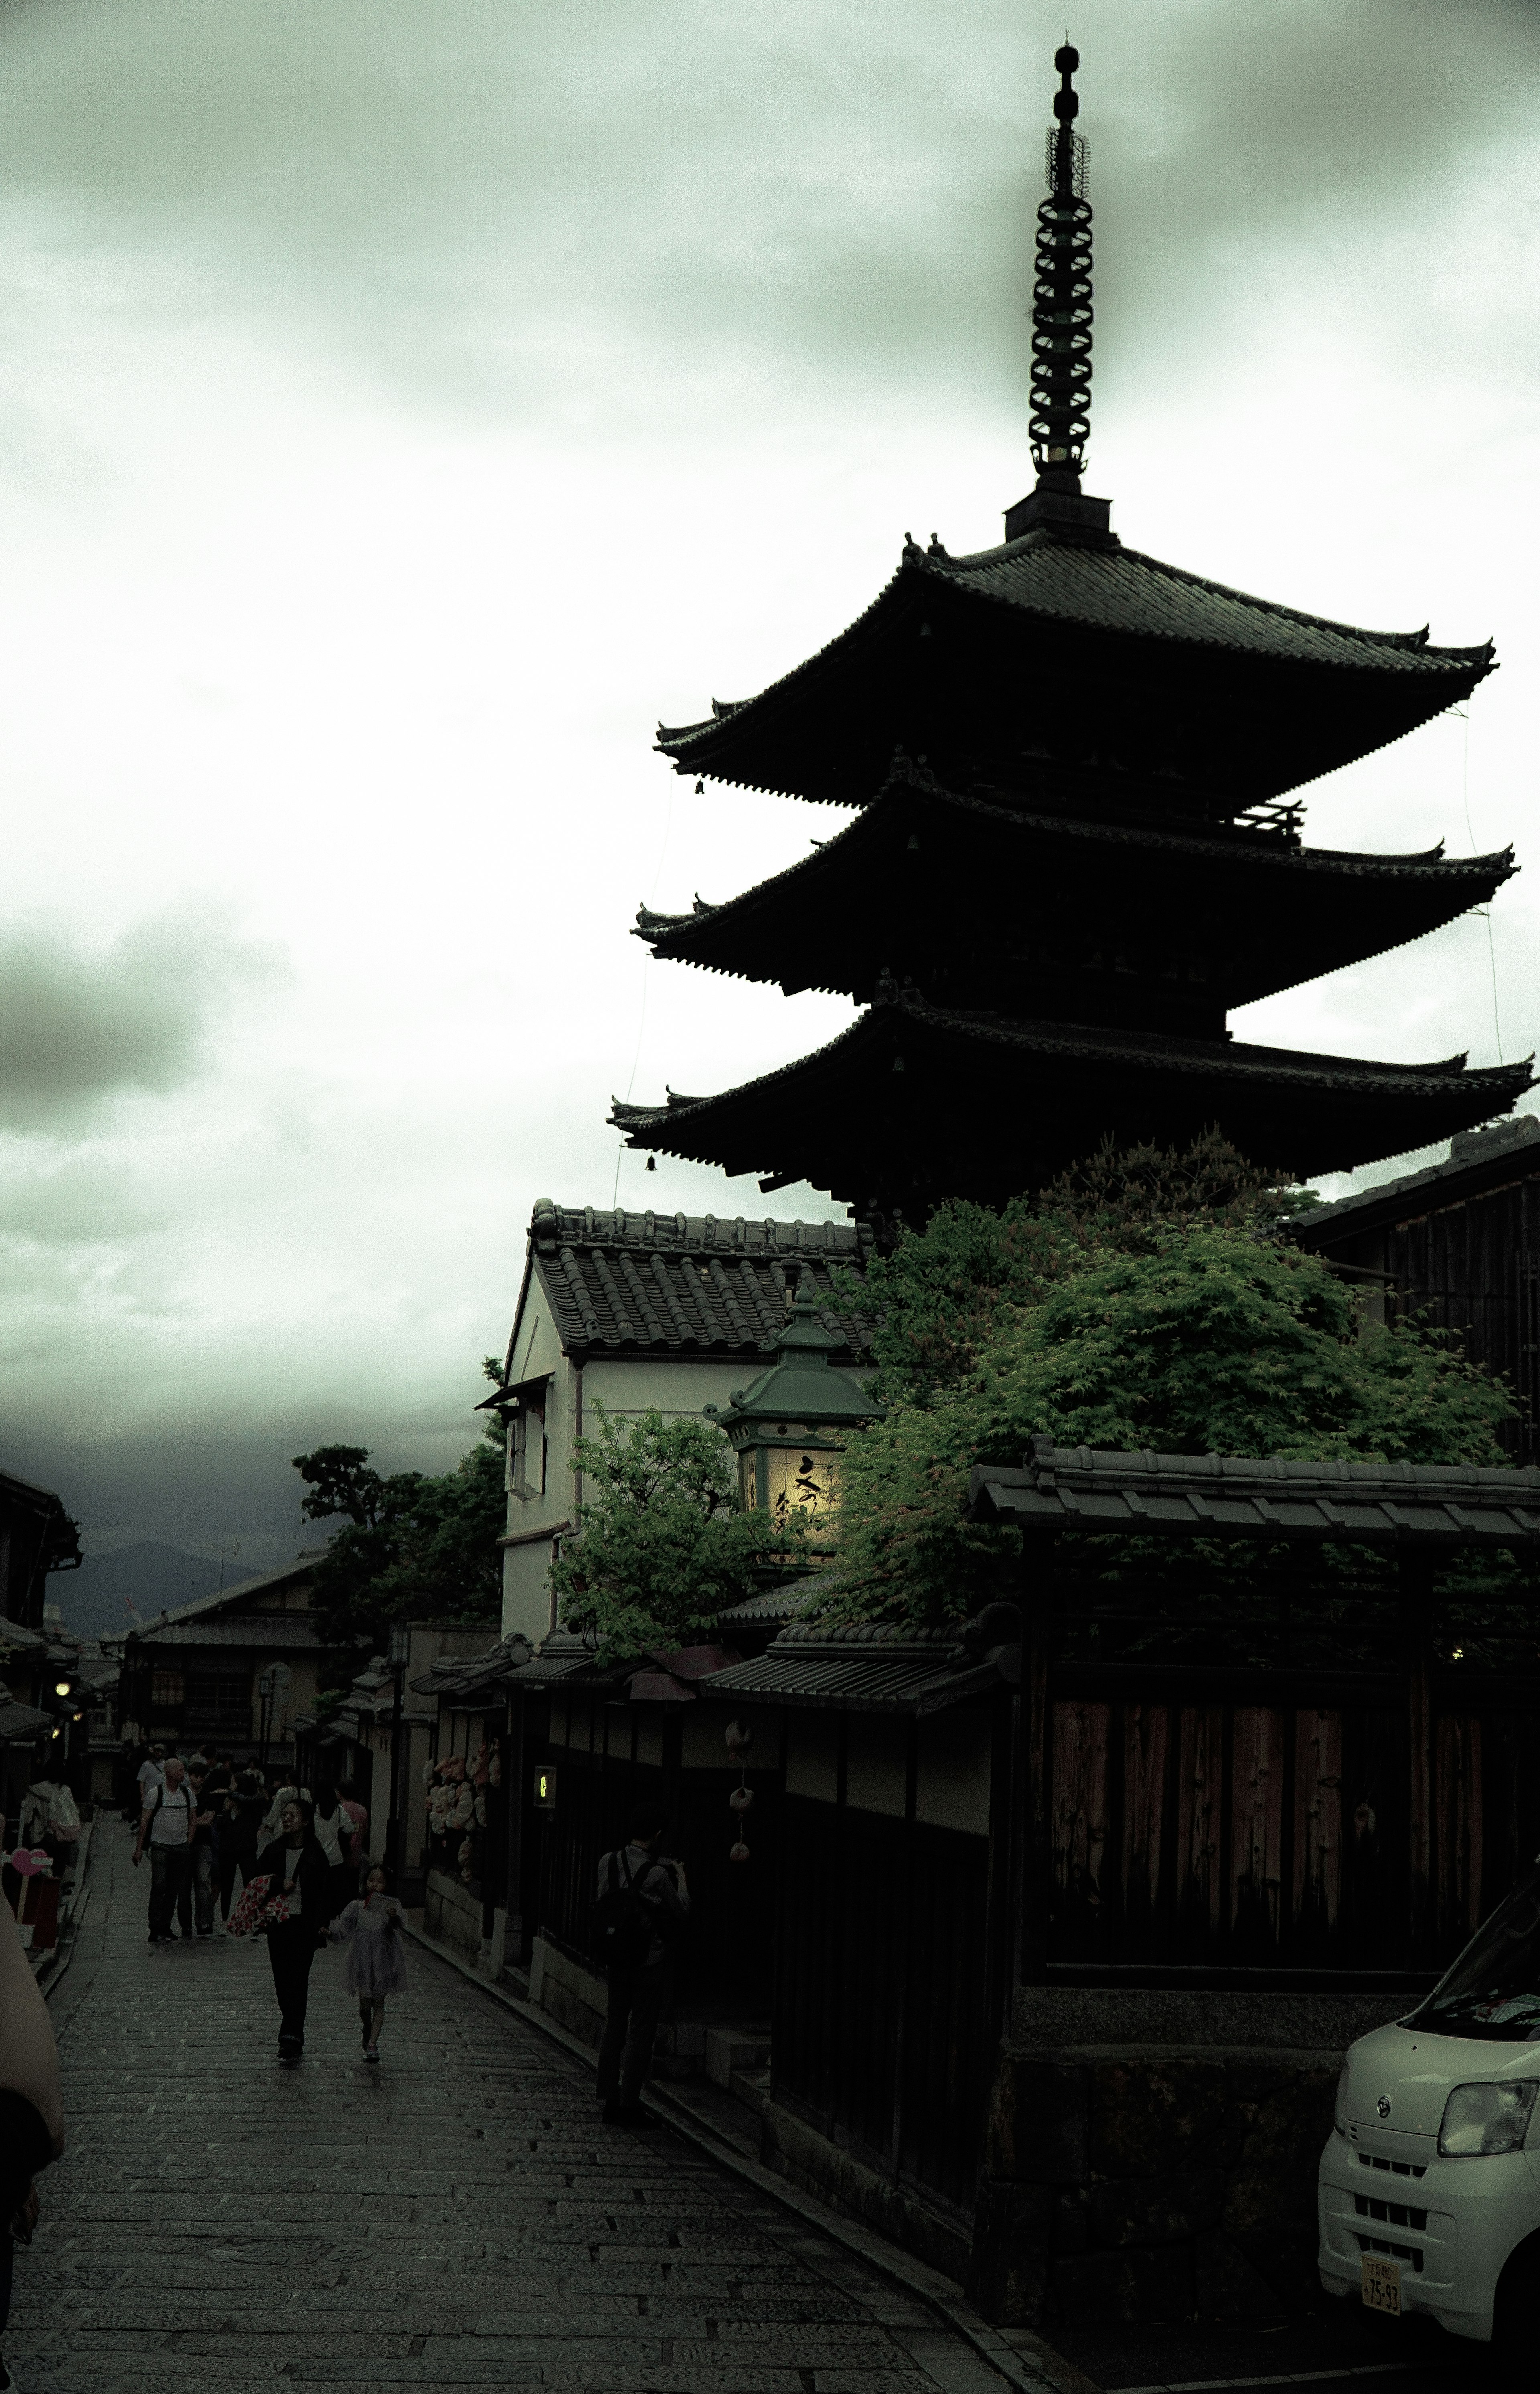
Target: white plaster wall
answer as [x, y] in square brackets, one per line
[526, 1589]
[676, 1385]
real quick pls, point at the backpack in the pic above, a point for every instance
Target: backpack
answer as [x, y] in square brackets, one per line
[623, 1924]
[185, 1789]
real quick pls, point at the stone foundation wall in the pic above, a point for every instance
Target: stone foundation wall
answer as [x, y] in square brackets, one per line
[575, 1999]
[452, 1914]
[812, 2163]
[1150, 2184]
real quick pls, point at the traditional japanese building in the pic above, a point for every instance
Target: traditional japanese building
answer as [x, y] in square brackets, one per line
[1074, 847]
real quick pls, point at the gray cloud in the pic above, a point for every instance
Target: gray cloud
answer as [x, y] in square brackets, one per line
[484, 196]
[234, 239]
[80, 1027]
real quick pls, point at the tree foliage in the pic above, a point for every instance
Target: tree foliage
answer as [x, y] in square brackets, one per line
[416, 1546]
[663, 1547]
[1144, 1302]
[946, 1292]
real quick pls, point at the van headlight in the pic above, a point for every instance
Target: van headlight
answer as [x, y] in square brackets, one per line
[1490, 2119]
[1339, 2118]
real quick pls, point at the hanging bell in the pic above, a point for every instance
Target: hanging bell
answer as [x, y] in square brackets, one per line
[741, 1798]
[739, 1853]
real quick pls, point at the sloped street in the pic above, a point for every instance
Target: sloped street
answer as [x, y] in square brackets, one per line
[454, 2218]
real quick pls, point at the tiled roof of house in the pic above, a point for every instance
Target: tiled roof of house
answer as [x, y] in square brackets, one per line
[19, 1722]
[684, 1283]
[228, 1600]
[1475, 1158]
[1271, 1497]
[272, 1632]
[872, 1666]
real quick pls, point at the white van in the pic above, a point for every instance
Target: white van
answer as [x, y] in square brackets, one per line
[1428, 2190]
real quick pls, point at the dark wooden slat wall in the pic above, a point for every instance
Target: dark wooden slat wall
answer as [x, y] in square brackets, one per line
[1472, 1268]
[880, 1996]
[1245, 1835]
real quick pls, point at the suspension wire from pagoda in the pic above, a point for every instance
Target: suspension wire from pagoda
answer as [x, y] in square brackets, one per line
[1062, 312]
[1485, 912]
[641, 1011]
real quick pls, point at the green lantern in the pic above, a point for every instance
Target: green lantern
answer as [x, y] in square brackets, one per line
[789, 1427]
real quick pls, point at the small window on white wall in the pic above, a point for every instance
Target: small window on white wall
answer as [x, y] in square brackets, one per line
[529, 1452]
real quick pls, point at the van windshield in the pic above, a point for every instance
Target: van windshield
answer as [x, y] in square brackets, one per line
[1493, 1989]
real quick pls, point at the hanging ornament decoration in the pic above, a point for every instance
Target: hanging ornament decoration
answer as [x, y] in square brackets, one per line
[740, 1737]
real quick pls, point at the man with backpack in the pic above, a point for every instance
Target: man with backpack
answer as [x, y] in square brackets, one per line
[166, 1825]
[640, 1905]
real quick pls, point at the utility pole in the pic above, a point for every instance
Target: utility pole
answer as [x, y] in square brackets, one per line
[400, 1654]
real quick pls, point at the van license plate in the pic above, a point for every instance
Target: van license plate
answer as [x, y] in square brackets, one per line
[1381, 2285]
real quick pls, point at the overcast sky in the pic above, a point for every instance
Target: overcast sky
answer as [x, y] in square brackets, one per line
[403, 408]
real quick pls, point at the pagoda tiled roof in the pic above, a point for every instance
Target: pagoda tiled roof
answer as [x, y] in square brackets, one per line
[1269, 912]
[684, 1283]
[1060, 600]
[914, 1102]
[1111, 589]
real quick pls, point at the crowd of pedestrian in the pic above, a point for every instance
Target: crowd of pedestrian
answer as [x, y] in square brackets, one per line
[302, 1863]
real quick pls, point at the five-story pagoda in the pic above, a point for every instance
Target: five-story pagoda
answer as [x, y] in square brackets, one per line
[1072, 851]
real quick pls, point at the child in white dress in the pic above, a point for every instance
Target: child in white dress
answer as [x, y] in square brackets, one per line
[370, 1927]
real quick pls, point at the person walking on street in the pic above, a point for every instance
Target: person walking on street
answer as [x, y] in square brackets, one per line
[246, 1803]
[358, 1813]
[371, 1929]
[151, 1774]
[334, 1835]
[272, 1824]
[209, 1803]
[31, 2106]
[296, 1868]
[166, 1825]
[642, 1903]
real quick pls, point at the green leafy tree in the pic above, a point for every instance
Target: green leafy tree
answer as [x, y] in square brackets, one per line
[947, 1292]
[1186, 1335]
[663, 1547]
[415, 1545]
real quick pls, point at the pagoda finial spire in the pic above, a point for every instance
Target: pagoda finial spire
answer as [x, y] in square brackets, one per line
[1061, 300]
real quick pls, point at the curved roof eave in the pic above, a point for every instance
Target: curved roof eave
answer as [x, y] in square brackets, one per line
[1152, 1051]
[677, 741]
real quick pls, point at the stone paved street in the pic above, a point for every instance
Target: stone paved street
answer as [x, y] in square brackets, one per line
[455, 2219]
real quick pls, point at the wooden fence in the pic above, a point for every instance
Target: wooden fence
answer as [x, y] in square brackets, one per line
[1199, 1819]
[881, 2001]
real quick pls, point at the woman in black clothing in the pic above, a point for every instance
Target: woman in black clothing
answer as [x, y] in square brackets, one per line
[297, 1869]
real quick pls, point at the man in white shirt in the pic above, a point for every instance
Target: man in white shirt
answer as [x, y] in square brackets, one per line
[152, 1774]
[166, 1825]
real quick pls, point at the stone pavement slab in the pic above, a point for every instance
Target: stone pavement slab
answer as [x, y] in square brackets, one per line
[455, 2219]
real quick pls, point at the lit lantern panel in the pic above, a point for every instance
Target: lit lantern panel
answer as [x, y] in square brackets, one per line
[797, 1480]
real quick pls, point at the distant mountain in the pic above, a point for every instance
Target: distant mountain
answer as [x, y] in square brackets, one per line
[149, 1577]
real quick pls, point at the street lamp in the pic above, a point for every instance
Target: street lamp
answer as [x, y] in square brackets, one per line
[271, 1687]
[789, 1428]
[400, 1656]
